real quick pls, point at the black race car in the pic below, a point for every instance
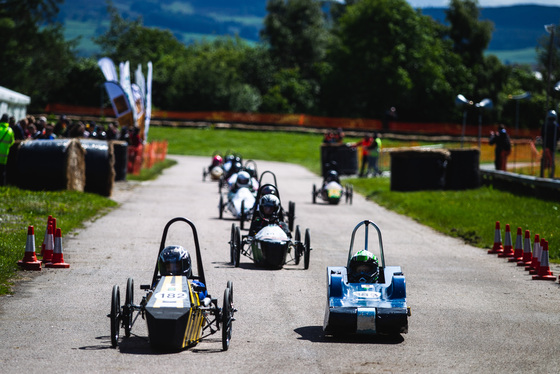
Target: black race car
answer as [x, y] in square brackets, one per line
[177, 316]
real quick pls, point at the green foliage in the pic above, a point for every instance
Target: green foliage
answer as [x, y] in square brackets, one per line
[386, 54]
[35, 56]
[22, 208]
[295, 33]
[470, 36]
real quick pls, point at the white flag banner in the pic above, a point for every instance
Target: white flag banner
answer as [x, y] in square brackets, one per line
[124, 68]
[140, 80]
[108, 68]
[148, 104]
[139, 106]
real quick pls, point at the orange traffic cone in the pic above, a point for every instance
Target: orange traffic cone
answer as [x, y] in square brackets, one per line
[58, 257]
[536, 254]
[508, 248]
[497, 248]
[49, 246]
[49, 222]
[30, 261]
[518, 248]
[544, 272]
[527, 251]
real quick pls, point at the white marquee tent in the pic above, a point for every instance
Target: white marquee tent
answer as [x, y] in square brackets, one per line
[13, 103]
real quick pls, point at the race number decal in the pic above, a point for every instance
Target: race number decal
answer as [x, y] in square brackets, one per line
[171, 296]
[367, 294]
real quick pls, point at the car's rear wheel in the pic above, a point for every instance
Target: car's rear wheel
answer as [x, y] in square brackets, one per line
[232, 244]
[291, 215]
[242, 215]
[307, 249]
[227, 318]
[128, 309]
[297, 239]
[314, 195]
[115, 315]
[221, 207]
[237, 255]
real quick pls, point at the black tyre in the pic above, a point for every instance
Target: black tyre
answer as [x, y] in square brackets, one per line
[115, 315]
[351, 193]
[242, 215]
[237, 254]
[230, 287]
[306, 249]
[232, 244]
[227, 319]
[314, 195]
[297, 239]
[128, 309]
[203, 174]
[291, 215]
[221, 207]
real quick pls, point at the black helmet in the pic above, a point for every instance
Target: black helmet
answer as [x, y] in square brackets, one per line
[363, 268]
[174, 260]
[269, 206]
[332, 176]
[251, 170]
[269, 190]
[243, 179]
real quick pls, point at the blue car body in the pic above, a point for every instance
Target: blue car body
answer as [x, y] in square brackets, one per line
[366, 308]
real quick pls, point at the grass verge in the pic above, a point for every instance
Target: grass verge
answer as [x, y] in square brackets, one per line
[22, 208]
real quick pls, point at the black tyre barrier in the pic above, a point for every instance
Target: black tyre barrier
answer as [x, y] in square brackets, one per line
[120, 149]
[100, 172]
[339, 157]
[50, 165]
[463, 169]
[418, 169]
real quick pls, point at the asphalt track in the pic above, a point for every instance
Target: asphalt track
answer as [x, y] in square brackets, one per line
[471, 312]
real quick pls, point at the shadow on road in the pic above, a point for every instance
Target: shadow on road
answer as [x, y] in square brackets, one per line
[315, 334]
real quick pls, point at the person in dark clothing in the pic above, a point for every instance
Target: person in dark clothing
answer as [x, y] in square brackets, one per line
[550, 134]
[503, 147]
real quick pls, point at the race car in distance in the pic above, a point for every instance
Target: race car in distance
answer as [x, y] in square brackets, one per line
[366, 296]
[269, 242]
[177, 307]
[331, 190]
[239, 199]
[216, 168]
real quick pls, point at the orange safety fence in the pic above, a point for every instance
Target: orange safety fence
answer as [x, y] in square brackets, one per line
[144, 156]
[298, 120]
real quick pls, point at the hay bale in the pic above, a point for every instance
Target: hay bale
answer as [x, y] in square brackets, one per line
[415, 169]
[100, 160]
[120, 149]
[50, 165]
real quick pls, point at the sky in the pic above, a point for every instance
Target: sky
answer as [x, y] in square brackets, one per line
[481, 3]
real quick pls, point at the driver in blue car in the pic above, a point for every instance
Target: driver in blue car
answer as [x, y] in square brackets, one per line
[268, 209]
[363, 268]
[175, 260]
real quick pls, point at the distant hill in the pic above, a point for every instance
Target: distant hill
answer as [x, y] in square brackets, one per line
[516, 28]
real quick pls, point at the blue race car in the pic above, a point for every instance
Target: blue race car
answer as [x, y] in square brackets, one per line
[366, 297]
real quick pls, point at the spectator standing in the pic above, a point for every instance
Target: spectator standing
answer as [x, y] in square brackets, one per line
[364, 145]
[503, 147]
[374, 150]
[16, 128]
[6, 141]
[550, 135]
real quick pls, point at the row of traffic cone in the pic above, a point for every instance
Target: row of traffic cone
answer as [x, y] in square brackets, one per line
[535, 261]
[51, 249]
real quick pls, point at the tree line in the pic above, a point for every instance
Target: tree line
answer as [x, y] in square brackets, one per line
[352, 59]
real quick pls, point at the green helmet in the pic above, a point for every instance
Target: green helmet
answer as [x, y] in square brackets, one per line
[364, 268]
